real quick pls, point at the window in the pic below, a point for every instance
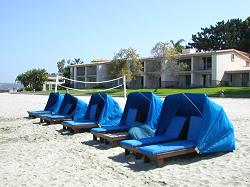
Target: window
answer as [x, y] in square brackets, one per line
[188, 80]
[185, 64]
[142, 63]
[207, 63]
[232, 57]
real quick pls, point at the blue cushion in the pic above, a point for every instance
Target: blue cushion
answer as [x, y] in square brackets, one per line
[40, 112]
[194, 128]
[67, 108]
[98, 130]
[145, 141]
[53, 116]
[175, 126]
[131, 116]
[167, 147]
[73, 123]
[109, 129]
[45, 115]
[92, 112]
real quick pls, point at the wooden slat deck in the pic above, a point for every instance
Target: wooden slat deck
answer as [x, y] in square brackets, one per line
[77, 128]
[51, 121]
[113, 138]
[159, 158]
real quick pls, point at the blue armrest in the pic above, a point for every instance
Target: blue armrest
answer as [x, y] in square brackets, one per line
[145, 141]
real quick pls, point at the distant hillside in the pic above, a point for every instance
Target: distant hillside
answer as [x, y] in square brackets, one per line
[7, 86]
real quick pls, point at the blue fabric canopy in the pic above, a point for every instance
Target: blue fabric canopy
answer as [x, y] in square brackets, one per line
[58, 103]
[52, 100]
[52, 106]
[111, 111]
[217, 132]
[65, 106]
[148, 106]
[108, 111]
[68, 104]
[80, 110]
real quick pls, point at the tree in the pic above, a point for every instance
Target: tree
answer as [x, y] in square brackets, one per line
[246, 40]
[33, 79]
[66, 73]
[224, 35]
[23, 78]
[77, 61]
[177, 45]
[65, 70]
[60, 66]
[126, 62]
[166, 52]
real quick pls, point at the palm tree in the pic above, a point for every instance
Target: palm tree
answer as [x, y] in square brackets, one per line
[77, 61]
[177, 45]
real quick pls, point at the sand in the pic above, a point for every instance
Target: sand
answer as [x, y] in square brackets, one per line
[32, 154]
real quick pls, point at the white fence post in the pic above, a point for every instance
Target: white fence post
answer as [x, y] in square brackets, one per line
[124, 86]
[56, 83]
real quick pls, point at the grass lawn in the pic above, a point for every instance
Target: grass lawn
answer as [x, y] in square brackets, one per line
[238, 92]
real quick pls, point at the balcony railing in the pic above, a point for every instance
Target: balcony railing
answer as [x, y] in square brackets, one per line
[153, 67]
[185, 68]
[203, 69]
[91, 72]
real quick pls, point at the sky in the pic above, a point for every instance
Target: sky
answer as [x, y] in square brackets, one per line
[38, 34]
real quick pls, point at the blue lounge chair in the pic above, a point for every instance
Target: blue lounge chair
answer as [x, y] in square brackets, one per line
[65, 112]
[102, 111]
[172, 133]
[141, 107]
[174, 148]
[209, 129]
[49, 108]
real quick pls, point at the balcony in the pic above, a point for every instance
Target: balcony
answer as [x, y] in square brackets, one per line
[204, 68]
[153, 67]
[80, 71]
[184, 69]
[91, 71]
[184, 66]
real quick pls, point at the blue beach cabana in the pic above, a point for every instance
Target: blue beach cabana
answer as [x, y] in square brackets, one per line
[143, 107]
[102, 111]
[51, 106]
[65, 112]
[208, 128]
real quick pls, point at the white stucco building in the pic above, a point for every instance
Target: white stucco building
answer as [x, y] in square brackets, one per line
[51, 82]
[202, 69]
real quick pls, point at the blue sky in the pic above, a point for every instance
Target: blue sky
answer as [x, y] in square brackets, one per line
[37, 34]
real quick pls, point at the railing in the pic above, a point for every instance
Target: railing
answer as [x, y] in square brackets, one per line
[203, 69]
[153, 67]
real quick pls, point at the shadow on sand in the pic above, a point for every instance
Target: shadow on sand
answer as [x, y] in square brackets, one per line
[97, 144]
[139, 165]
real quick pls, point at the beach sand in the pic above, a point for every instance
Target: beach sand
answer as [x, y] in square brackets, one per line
[32, 154]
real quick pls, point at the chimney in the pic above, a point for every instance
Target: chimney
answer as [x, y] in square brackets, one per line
[188, 51]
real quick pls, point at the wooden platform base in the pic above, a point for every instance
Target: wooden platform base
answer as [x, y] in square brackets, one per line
[112, 138]
[52, 121]
[77, 129]
[159, 159]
